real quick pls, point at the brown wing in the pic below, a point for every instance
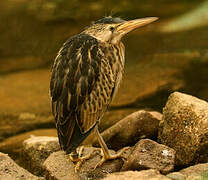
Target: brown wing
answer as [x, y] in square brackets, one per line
[81, 85]
[99, 99]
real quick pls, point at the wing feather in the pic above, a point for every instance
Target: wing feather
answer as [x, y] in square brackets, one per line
[81, 86]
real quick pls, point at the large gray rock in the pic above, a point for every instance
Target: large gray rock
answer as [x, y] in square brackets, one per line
[185, 128]
[36, 150]
[140, 124]
[135, 175]
[147, 154]
[11, 171]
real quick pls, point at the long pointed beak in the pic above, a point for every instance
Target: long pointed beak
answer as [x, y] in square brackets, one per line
[128, 26]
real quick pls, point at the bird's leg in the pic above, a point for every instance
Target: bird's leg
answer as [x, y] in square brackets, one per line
[73, 156]
[78, 159]
[106, 155]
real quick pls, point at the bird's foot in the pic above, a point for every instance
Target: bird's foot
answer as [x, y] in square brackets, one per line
[79, 159]
[108, 156]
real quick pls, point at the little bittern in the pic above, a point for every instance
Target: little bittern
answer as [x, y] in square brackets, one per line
[85, 77]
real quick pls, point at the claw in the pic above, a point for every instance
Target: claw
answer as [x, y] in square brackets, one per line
[78, 159]
[106, 157]
[105, 153]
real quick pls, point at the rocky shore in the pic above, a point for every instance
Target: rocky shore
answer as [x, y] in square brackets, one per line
[172, 145]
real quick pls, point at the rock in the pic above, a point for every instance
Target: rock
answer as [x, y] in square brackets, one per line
[135, 175]
[199, 170]
[147, 154]
[185, 127]
[14, 144]
[176, 176]
[196, 172]
[140, 124]
[58, 166]
[10, 170]
[36, 150]
[88, 171]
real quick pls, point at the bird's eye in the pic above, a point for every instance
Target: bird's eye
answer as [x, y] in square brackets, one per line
[112, 28]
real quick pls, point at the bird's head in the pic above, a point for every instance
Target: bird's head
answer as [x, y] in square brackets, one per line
[112, 30]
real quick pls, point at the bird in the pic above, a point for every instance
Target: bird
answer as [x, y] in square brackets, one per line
[85, 77]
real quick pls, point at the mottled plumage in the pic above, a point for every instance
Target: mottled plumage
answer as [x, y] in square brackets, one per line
[84, 79]
[86, 75]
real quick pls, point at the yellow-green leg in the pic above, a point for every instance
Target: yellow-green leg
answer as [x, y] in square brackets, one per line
[105, 153]
[78, 159]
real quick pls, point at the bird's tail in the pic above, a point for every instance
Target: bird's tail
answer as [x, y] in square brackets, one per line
[69, 134]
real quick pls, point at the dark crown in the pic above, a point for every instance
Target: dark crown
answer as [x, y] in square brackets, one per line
[109, 20]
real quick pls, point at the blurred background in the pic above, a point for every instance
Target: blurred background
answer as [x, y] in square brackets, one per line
[165, 56]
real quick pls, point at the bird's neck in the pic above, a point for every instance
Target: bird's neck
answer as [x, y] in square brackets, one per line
[113, 40]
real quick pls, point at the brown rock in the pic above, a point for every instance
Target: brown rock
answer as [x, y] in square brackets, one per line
[129, 130]
[10, 170]
[58, 166]
[36, 150]
[176, 176]
[135, 175]
[147, 154]
[14, 144]
[88, 170]
[185, 128]
[196, 170]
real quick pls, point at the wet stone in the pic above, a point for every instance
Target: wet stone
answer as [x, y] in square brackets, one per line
[147, 154]
[185, 127]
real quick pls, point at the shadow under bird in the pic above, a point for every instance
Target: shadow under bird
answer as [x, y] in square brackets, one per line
[85, 77]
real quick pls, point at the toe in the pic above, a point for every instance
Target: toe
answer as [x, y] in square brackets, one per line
[100, 163]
